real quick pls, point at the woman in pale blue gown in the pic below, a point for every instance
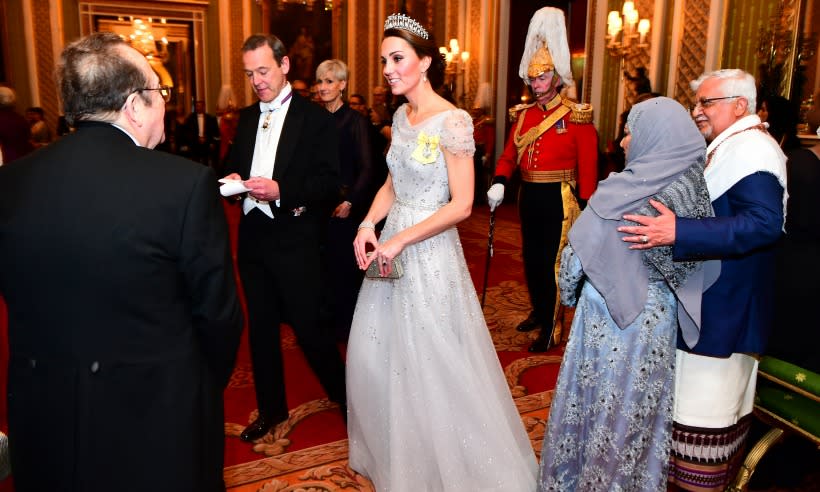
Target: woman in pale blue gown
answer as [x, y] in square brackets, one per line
[610, 421]
[429, 408]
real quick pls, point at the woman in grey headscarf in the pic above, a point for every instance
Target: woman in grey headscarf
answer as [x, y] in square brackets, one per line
[611, 417]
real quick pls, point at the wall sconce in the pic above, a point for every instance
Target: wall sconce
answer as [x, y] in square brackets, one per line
[453, 55]
[456, 64]
[632, 31]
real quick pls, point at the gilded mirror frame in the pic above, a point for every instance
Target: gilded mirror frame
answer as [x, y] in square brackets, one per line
[184, 25]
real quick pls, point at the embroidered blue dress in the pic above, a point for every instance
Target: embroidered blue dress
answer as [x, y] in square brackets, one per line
[610, 422]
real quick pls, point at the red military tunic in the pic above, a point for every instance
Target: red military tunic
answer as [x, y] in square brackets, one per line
[566, 151]
[556, 148]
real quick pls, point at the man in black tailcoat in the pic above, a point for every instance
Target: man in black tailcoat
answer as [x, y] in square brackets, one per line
[124, 320]
[202, 136]
[286, 152]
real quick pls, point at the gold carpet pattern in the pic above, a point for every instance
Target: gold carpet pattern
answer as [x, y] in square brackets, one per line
[325, 468]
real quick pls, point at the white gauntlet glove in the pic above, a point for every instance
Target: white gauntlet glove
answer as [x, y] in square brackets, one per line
[495, 195]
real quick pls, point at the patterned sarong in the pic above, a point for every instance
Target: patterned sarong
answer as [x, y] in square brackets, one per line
[706, 460]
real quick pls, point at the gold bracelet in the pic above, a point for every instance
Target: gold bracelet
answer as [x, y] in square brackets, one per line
[367, 225]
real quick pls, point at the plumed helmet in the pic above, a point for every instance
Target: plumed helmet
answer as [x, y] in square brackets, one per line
[540, 62]
[546, 47]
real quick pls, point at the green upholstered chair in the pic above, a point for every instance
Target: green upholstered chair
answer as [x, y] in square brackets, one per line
[787, 399]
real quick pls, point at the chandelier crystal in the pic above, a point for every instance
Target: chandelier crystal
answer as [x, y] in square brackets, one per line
[143, 38]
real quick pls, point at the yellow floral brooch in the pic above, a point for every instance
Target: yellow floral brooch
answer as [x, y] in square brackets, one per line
[427, 149]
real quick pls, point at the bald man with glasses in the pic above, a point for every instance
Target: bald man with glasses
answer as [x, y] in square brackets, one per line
[716, 369]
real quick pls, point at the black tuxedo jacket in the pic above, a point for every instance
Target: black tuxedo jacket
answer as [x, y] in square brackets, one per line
[307, 160]
[279, 259]
[124, 321]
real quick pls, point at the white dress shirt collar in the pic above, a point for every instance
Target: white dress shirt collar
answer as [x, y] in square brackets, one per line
[268, 133]
[282, 98]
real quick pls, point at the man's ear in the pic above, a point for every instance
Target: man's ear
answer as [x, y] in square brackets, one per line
[132, 109]
[741, 106]
[285, 65]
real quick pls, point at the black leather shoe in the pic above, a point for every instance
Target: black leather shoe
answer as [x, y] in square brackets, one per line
[258, 428]
[529, 324]
[541, 344]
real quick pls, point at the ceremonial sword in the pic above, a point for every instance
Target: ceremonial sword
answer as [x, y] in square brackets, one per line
[489, 257]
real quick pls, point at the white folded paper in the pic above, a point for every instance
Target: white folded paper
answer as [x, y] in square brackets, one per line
[232, 187]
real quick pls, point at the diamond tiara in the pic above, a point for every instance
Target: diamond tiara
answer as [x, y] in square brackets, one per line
[401, 21]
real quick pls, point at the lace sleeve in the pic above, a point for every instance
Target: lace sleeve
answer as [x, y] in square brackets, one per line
[570, 276]
[457, 134]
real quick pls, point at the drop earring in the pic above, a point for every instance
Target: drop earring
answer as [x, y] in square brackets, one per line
[424, 76]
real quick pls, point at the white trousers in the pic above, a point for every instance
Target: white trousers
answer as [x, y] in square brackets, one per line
[713, 392]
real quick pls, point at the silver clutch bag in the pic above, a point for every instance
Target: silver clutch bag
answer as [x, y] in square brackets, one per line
[396, 270]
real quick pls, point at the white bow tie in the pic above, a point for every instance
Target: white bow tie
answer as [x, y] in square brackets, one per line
[274, 105]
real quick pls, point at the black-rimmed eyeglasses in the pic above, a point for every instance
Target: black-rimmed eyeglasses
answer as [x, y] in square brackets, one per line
[708, 102]
[164, 91]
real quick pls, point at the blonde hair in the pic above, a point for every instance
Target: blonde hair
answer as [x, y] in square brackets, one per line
[337, 67]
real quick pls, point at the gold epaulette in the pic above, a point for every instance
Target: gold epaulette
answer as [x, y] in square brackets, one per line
[514, 111]
[581, 112]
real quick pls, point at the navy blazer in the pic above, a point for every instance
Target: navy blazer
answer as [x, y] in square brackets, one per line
[738, 309]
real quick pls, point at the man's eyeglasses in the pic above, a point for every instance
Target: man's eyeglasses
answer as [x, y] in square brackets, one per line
[164, 91]
[708, 102]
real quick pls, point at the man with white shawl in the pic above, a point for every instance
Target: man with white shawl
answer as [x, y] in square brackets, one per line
[716, 372]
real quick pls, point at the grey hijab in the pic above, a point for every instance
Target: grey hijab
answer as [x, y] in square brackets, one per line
[665, 162]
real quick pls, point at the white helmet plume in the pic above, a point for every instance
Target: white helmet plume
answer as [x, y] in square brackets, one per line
[548, 28]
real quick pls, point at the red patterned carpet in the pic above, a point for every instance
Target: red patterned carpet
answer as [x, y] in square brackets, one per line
[309, 451]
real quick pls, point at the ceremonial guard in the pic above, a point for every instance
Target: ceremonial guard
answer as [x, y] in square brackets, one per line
[555, 146]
